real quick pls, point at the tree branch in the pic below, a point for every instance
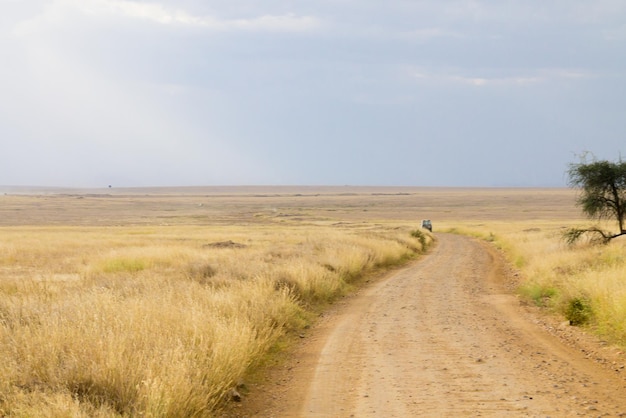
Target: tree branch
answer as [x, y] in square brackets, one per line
[596, 235]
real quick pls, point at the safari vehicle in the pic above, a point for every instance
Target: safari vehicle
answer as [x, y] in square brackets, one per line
[427, 224]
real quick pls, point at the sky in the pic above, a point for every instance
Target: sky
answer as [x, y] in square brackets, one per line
[490, 93]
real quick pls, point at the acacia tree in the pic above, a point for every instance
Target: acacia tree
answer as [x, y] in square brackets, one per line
[602, 187]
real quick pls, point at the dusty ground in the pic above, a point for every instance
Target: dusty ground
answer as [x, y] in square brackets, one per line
[442, 337]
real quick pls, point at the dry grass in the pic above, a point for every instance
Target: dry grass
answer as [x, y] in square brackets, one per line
[115, 303]
[584, 284]
[163, 320]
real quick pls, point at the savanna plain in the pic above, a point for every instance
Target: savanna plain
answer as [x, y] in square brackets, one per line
[165, 302]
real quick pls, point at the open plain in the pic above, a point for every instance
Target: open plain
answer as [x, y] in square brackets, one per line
[443, 335]
[236, 205]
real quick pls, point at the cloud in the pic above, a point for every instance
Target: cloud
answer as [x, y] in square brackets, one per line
[230, 91]
[496, 78]
[61, 10]
[66, 119]
[159, 14]
[427, 34]
[615, 34]
[480, 81]
[573, 11]
[597, 11]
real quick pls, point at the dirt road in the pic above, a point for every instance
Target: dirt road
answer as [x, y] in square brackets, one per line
[442, 337]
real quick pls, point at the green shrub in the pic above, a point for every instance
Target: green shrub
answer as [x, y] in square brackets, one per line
[578, 311]
[420, 236]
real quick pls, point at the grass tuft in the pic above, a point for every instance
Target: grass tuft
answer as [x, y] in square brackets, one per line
[421, 236]
[540, 294]
[123, 265]
[578, 311]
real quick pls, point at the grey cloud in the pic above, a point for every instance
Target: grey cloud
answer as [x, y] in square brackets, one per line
[59, 12]
[325, 92]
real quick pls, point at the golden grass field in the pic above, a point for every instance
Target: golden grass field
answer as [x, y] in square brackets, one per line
[156, 302]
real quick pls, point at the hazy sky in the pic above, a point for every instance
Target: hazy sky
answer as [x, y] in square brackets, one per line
[324, 92]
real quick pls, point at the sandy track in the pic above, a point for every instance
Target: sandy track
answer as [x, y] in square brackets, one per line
[442, 337]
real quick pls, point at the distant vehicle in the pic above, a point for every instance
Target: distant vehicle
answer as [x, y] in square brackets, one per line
[427, 224]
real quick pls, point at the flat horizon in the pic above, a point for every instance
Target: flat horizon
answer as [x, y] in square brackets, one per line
[252, 188]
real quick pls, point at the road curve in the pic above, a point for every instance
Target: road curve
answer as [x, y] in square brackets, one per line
[442, 337]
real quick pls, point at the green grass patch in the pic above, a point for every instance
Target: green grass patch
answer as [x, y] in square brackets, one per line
[124, 265]
[519, 262]
[540, 295]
